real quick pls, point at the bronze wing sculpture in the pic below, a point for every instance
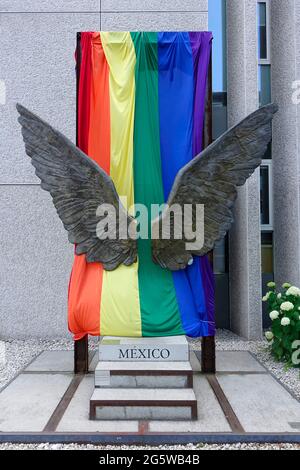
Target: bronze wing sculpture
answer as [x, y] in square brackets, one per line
[78, 186]
[212, 179]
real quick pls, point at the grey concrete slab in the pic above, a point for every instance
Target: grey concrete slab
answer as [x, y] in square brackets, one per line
[230, 361]
[28, 402]
[53, 361]
[154, 5]
[210, 415]
[57, 361]
[36, 261]
[130, 374]
[138, 395]
[158, 413]
[260, 402]
[237, 361]
[76, 417]
[154, 21]
[49, 6]
[180, 366]
[37, 66]
[105, 379]
[135, 408]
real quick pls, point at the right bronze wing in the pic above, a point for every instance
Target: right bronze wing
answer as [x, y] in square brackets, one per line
[78, 186]
[211, 179]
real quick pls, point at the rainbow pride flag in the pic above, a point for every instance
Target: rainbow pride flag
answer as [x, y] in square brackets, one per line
[141, 105]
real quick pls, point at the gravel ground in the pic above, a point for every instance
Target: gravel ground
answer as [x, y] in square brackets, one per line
[19, 353]
[200, 446]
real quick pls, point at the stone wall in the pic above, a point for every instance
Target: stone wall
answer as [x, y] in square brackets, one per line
[37, 68]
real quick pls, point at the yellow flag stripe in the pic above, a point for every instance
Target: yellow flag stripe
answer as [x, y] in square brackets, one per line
[120, 313]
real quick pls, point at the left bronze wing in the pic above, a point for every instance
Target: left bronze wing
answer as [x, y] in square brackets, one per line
[211, 179]
[79, 187]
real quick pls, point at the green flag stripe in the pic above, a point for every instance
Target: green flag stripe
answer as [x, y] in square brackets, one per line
[158, 302]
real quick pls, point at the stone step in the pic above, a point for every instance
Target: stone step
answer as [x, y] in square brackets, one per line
[130, 374]
[167, 348]
[144, 404]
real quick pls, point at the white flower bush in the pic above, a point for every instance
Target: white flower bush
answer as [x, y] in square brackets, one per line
[283, 308]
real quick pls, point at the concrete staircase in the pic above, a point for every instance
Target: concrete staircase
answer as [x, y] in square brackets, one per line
[143, 378]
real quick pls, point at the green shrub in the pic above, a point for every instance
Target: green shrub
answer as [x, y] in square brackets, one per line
[284, 311]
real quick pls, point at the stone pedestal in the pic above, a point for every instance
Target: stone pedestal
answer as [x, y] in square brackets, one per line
[167, 348]
[143, 378]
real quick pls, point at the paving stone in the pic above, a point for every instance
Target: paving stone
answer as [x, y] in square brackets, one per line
[58, 361]
[230, 361]
[76, 417]
[260, 402]
[53, 361]
[237, 361]
[210, 415]
[28, 402]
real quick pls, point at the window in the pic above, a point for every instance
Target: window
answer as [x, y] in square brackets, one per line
[264, 84]
[217, 25]
[264, 91]
[267, 252]
[263, 23]
[266, 206]
[262, 31]
[264, 62]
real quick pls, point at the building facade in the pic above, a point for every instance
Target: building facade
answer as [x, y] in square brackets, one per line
[256, 58]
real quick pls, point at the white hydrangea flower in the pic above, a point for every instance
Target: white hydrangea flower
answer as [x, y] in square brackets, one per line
[271, 284]
[269, 335]
[293, 290]
[266, 297]
[279, 295]
[286, 285]
[285, 321]
[286, 306]
[274, 314]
